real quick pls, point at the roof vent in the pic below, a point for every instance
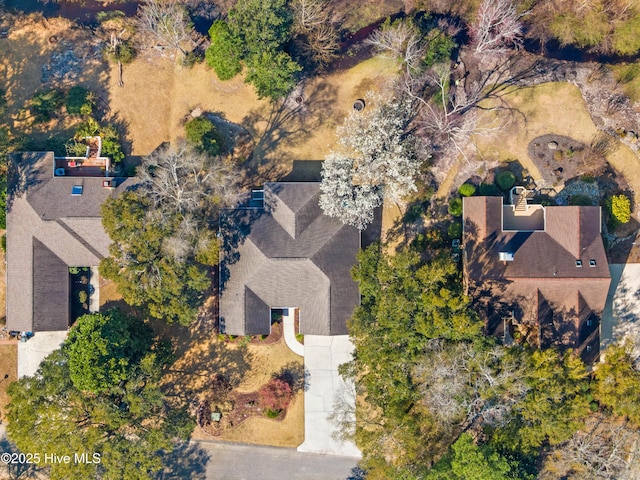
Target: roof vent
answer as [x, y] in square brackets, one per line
[506, 256]
[592, 263]
[76, 190]
[108, 183]
[578, 263]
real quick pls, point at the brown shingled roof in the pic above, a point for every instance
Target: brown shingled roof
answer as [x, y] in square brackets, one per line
[49, 230]
[544, 262]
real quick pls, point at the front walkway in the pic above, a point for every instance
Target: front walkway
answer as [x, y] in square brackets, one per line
[288, 323]
[322, 356]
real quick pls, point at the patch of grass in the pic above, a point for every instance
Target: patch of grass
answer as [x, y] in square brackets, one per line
[9, 367]
[628, 75]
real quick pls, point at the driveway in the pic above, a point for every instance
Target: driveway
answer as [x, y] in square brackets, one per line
[622, 309]
[322, 356]
[32, 352]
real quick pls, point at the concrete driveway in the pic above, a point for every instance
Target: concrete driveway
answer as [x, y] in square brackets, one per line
[322, 356]
[32, 352]
[622, 310]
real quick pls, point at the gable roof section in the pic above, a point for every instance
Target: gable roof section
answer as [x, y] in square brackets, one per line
[50, 290]
[571, 233]
[289, 255]
[49, 230]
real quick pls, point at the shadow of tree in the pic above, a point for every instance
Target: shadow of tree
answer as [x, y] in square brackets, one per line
[199, 356]
[16, 471]
[188, 461]
[282, 124]
[24, 172]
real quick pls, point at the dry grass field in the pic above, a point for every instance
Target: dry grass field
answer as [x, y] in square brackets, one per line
[549, 108]
[158, 95]
[8, 366]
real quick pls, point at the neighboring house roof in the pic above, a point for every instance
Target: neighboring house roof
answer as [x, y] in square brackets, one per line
[49, 230]
[287, 254]
[556, 271]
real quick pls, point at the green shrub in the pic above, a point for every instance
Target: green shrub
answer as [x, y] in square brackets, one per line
[272, 413]
[79, 101]
[414, 212]
[82, 296]
[505, 180]
[124, 52]
[225, 51]
[203, 134]
[620, 208]
[74, 270]
[588, 179]
[455, 230]
[75, 148]
[581, 201]
[466, 189]
[438, 49]
[3, 242]
[191, 58]
[455, 207]
[109, 136]
[45, 103]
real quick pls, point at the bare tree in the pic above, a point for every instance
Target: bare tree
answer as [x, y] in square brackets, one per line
[607, 449]
[402, 40]
[165, 21]
[181, 180]
[316, 31]
[461, 384]
[497, 26]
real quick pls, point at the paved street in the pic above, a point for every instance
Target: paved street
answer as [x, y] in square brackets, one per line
[244, 462]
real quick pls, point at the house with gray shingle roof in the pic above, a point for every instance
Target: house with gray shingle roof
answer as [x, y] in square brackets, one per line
[283, 252]
[544, 268]
[53, 223]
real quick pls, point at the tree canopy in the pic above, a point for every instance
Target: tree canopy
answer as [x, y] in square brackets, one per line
[102, 348]
[425, 374]
[377, 160]
[256, 34]
[127, 421]
[162, 232]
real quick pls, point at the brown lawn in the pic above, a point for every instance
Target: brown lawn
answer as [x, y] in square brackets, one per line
[549, 108]
[8, 366]
[158, 94]
[27, 49]
[200, 354]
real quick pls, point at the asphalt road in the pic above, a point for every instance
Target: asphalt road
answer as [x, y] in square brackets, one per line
[244, 462]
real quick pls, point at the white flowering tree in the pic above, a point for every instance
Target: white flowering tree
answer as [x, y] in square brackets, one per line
[377, 161]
